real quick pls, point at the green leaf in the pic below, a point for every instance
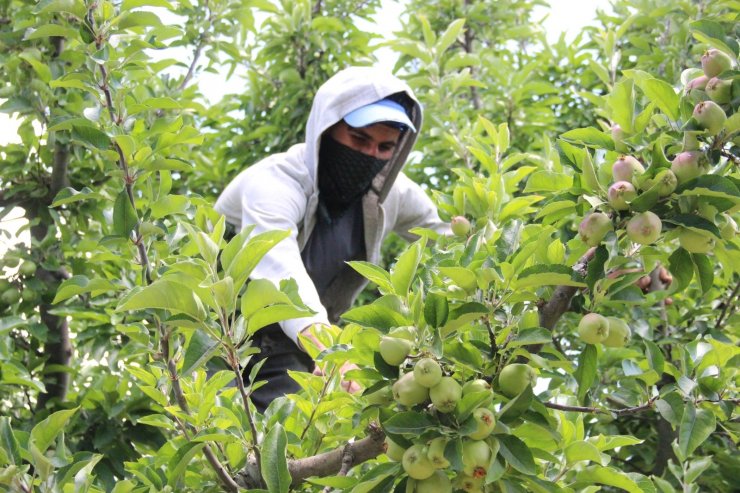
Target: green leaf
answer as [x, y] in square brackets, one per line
[589, 136]
[402, 273]
[90, 137]
[681, 267]
[179, 462]
[696, 426]
[7, 323]
[449, 36]
[622, 105]
[528, 337]
[125, 218]
[45, 432]
[582, 450]
[69, 195]
[658, 91]
[164, 294]
[585, 374]
[374, 274]
[590, 178]
[274, 467]
[712, 33]
[436, 310]
[546, 275]
[408, 423]
[517, 454]
[548, 181]
[378, 314]
[246, 259]
[694, 222]
[595, 269]
[199, 351]
[608, 476]
[81, 284]
[137, 19]
[168, 205]
[704, 271]
[9, 442]
[52, 30]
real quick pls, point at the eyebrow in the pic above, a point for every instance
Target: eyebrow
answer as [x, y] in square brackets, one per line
[370, 137]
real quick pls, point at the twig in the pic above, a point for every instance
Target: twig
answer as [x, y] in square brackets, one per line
[321, 396]
[735, 159]
[348, 460]
[729, 306]
[599, 410]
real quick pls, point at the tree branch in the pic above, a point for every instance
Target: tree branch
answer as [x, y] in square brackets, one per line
[728, 308]
[598, 410]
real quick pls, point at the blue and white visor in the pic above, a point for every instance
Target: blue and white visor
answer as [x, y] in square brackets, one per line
[384, 110]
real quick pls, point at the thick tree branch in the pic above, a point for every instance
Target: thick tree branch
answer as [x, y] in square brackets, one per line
[326, 464]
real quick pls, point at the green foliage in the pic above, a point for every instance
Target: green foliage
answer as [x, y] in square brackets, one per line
[127, 321]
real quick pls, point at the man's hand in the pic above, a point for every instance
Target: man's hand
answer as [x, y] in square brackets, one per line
[348, 385]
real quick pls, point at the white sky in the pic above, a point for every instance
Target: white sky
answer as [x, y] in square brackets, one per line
[564, 16]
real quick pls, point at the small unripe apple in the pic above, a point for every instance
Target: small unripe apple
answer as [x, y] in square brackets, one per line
[593, 328]
[10, 296]
[476, 457]
[407, 392]
[515, 377]
[4, 284]
[620, 194]
[618, 137]
[710, 116]
[688, 165]
[644, 228]
[625, 168]
[393, 450]
[719, 90]
[714, 62]
[695, 242]
[619, 333]
[594, 227]
[380, 397]
[407, 332]
[445, 394]
[30, 295]
[696, 83]
[415, 462]
[394, 350]
[469, 484]
[436, 452]
[476, 385]
[427, 372]
[27, 268]
[666, 181]
[460, 226]
[728, 228]
[529, 320]
[436, 483]
[485, 423]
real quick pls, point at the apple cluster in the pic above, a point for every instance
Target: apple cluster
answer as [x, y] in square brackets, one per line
[12, 292]
[609, 331]
[423, 384]
[712, 97]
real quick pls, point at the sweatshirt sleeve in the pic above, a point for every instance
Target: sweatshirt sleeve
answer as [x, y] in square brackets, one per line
[273, 199]
[415, 210]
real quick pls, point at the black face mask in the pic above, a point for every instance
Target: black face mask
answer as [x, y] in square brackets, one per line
[344, 173]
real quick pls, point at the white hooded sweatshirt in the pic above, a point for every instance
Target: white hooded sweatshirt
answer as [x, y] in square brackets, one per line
[281, 192]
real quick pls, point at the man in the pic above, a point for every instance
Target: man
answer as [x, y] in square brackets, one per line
[339, 194]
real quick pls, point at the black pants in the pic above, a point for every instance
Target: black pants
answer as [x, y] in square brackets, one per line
[282, 355]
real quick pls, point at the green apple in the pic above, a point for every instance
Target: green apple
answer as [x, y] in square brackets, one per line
[380, 397]
[644, 228]
[710, 116]
[436, 483]
[27, 268]
[688, 165]
[485, 423]
[476, 457]
[695, 242]
[445, 394]
[719, 90]
[415, 462]
[394, 350]
[407, 332]
[460, 226]
[593, 328]
[436, 452]
[594, 228]
[10, 296]
[516, 377]
[529, 320]
[714, 62]
[393, 450]
[626, 168]
[476, 385]
[728, 227]
[619, 333]
[427, 372]
[469, 484]
[620, 194]
[407, 392]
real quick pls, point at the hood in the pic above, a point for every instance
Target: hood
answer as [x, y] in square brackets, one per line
[346, 91]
